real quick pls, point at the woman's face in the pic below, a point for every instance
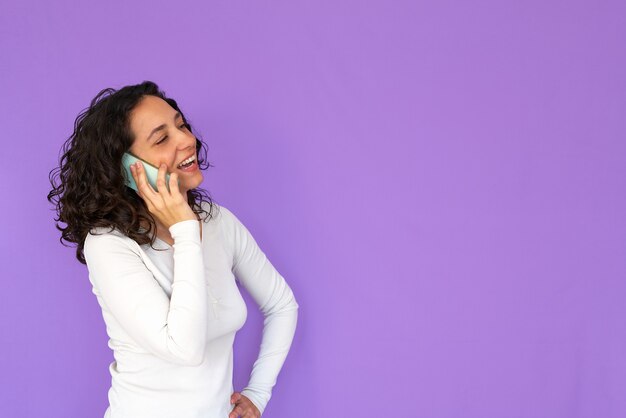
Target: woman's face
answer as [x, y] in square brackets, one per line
[161, 137]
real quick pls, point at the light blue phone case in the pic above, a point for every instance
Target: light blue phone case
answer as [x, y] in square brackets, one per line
[150, 170]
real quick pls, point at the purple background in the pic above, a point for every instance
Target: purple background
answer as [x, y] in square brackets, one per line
[441, 184]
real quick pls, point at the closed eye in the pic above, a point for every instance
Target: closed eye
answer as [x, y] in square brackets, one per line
[183, 126]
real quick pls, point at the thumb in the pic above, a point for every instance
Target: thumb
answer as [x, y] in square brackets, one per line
[235, 397]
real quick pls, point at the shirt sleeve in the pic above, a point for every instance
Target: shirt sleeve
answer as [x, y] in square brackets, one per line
[173, 328]
[277, 303]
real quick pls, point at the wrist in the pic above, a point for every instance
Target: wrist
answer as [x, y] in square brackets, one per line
[187, 228]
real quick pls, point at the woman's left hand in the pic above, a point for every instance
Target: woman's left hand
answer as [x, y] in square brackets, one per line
[244, 407]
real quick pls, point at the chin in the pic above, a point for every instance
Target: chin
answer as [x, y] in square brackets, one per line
[193, 183]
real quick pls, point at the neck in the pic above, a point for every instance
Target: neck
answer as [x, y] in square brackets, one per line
[163, 233]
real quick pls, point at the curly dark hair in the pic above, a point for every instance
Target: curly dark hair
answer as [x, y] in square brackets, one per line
[88, 186]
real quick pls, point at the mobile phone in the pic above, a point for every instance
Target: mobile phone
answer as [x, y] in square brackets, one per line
[151, 171]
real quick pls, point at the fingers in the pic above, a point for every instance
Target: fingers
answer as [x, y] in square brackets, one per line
[143, 187]
[241, 411]
[244, 407]
[161, 185]
[174, 190]
[168, 206]
[236, 412]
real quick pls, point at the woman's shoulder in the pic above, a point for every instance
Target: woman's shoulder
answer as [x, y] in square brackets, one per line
[108, 237]
[109, 231]
[225, 220]
[218, 213]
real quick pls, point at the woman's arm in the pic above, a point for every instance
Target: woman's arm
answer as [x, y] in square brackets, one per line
[173, 329]
[277, 303]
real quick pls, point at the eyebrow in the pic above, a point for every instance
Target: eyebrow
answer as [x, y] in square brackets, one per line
[162, 126]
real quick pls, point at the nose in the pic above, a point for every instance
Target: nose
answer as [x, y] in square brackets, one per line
[186, 139]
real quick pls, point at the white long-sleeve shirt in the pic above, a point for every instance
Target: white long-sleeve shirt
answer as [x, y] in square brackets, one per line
[171, 317]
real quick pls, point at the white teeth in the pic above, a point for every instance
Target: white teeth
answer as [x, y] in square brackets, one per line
[187, 161]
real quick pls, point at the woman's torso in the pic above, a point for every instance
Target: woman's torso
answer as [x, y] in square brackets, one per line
[142, 384]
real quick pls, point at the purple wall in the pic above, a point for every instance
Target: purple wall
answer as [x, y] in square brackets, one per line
[442, 185]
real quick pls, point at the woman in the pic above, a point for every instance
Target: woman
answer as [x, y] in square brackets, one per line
[163, 263]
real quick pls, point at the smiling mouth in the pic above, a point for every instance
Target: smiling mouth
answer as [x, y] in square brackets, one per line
[187, 163]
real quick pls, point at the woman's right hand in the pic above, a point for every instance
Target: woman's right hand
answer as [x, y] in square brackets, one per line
[168, 206]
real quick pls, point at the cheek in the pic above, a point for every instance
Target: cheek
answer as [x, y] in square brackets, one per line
[166, 158]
